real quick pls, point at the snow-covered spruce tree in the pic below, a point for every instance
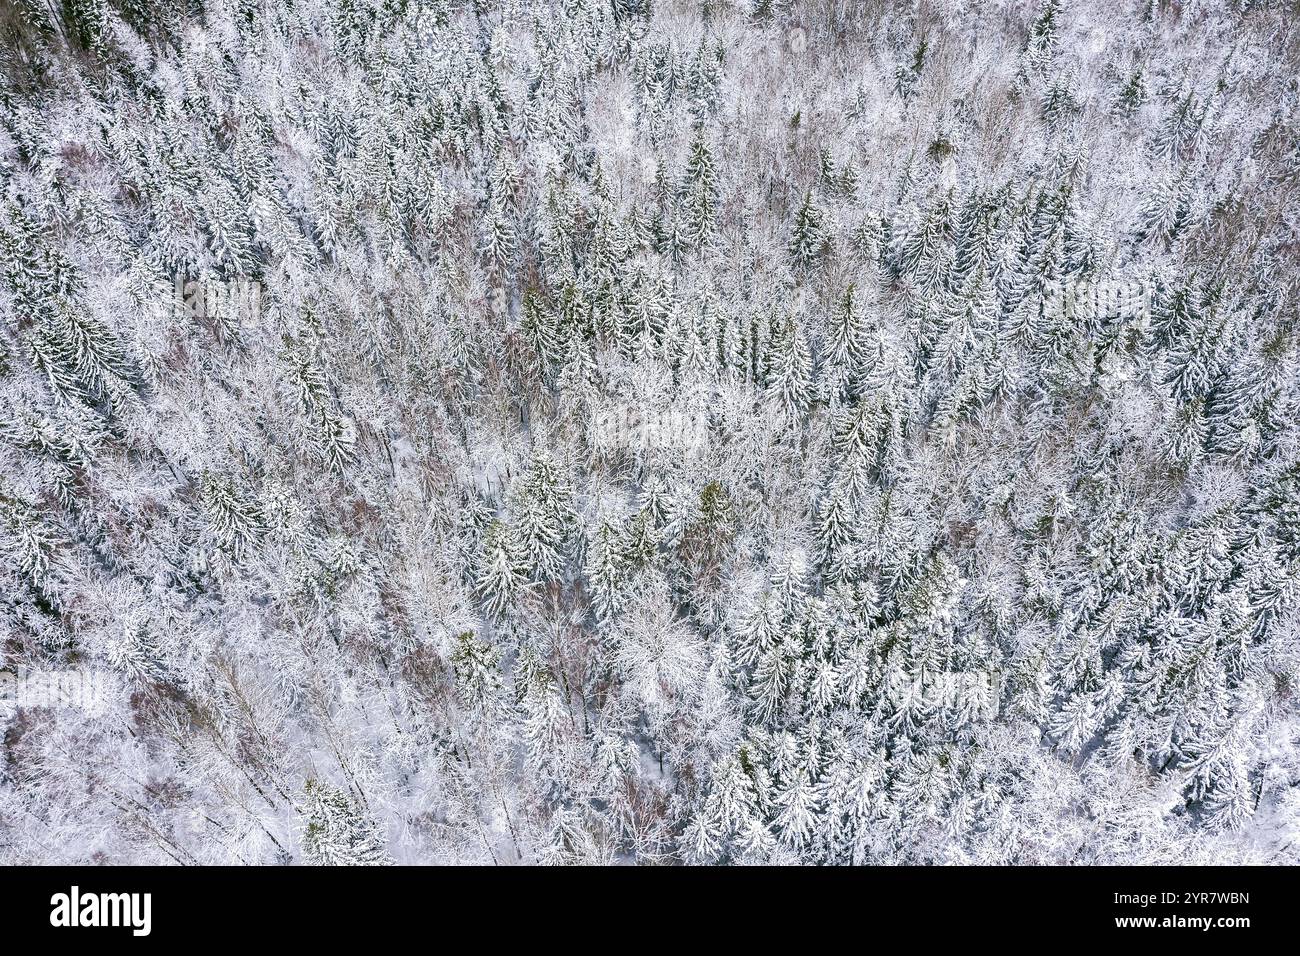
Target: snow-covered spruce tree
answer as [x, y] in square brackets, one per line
[337, 832]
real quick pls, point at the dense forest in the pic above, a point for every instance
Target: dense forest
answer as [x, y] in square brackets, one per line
[649, 431]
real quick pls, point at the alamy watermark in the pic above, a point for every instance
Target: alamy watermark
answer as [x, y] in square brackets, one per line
[976, 692]
[1094, 299]
[73, 909]
[209, 297]
[629, 427]
[26, 688]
